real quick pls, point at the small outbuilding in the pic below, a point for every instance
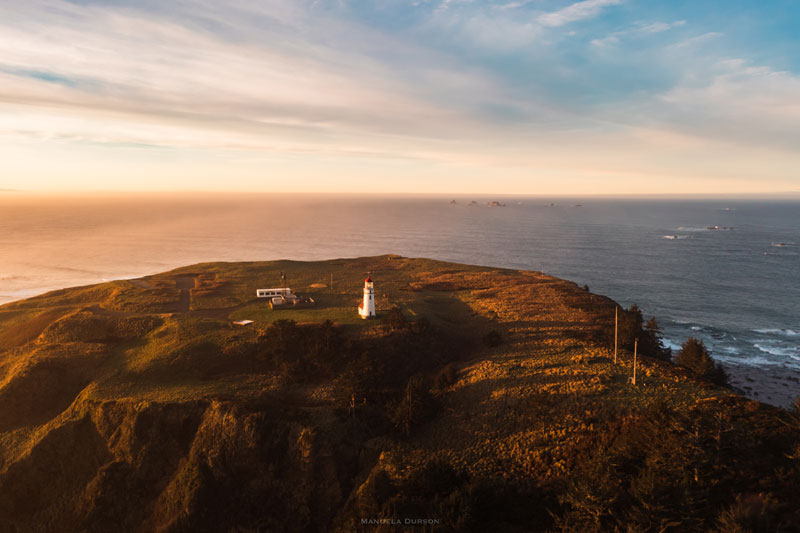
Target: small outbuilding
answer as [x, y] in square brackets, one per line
[284, 297]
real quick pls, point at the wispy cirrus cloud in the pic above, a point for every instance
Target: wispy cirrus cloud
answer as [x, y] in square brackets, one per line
[148, 67]
[575, 12]
[637, 30]
[471, 85]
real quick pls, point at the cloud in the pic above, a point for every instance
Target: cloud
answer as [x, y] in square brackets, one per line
[745, 103]
[575, 12]
[471, 85]
[696, 40]
[636, 31]
[156, 80]
[510, 26]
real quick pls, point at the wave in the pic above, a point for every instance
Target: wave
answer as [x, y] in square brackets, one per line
[778, 331]
[674, 346]
[754, 361]
[732, 350]
[675, 237]
[776, 350]
[686, 228]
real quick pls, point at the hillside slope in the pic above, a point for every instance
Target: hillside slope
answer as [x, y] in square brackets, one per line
[487, 398]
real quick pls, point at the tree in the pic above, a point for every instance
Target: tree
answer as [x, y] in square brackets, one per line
[415, 407]
[396, 320]
[694, 356]
[651, 343]
[446, 377]
[630, 326]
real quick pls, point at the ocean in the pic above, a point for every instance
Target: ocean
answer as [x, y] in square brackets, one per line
[727, 271]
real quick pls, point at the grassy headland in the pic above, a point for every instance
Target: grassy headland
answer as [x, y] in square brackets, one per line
[481, 398]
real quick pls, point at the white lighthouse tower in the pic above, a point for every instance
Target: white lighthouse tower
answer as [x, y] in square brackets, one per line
[366, 309]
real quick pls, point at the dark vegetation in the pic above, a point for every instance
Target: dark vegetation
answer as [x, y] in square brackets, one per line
[493, 339]
[665, 469]
[694, 356]
[457, 500]
[634, 332]
[386, 379]
[658, 470]
[633, 328]
[306, 353]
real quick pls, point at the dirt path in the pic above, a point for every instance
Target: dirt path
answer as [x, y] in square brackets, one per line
[182, 305]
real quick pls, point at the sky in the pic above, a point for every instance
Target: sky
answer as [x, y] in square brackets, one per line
[413, 96]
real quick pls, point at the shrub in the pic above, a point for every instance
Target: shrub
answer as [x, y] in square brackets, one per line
[650, 343]
[438, 490]
[493, 339]
[303, 353]
[421, 326]
[396, 320]
[416, 406]
[694, 356]
[446, 377]
[630, 327]
[752, 513]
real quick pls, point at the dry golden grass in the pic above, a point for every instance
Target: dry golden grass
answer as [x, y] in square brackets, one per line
[525, 409]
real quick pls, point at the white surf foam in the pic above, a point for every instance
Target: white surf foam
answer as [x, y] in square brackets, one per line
[776, 350]
[778, 331]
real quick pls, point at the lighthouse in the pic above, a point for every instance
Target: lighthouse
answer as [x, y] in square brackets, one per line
[366, 309]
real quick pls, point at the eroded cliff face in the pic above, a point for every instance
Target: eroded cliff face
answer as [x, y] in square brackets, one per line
[196, 466]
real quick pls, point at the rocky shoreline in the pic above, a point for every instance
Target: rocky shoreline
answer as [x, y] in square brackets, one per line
[778, 385]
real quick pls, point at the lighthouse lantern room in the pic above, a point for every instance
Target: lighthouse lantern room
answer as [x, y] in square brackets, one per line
[366, 309]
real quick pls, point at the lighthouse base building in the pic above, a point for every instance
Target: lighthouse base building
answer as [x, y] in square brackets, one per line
[366, 309]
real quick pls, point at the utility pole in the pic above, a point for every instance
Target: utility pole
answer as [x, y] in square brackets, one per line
[331, 281]
[635, 346]
[616, 328]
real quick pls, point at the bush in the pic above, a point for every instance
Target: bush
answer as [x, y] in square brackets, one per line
[421, 326]
[650, 343]
[416, 407]
[437, 490]
[630, 327]
[304, 353]
[396, 320]
[492, 339]
[694, 356]
[752, 513]
[447, 377]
